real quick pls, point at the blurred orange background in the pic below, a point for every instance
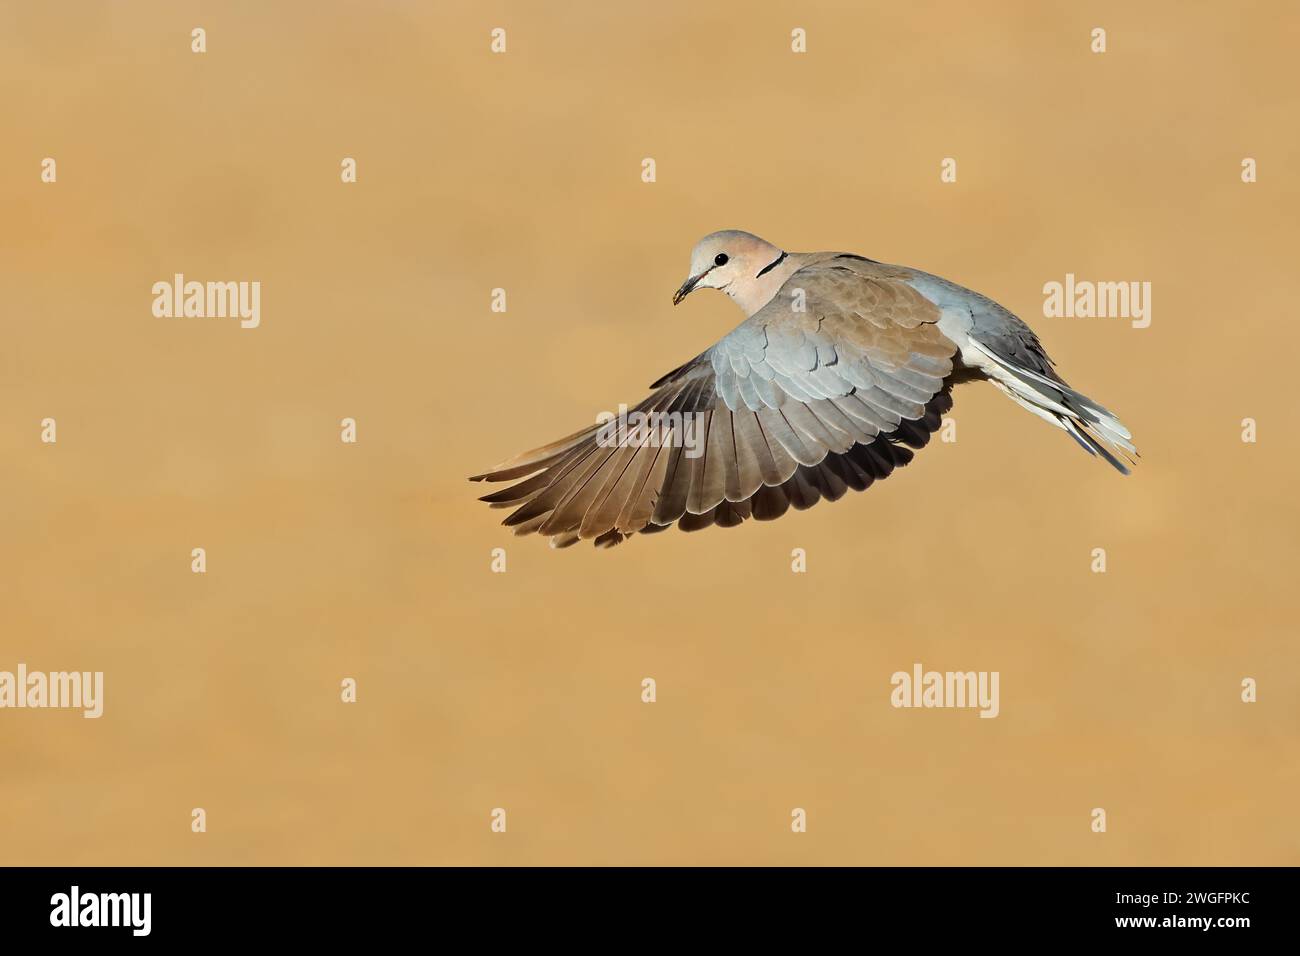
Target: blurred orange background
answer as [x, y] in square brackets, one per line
[523, 690]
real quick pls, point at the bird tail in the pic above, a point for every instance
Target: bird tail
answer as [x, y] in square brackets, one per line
[1097, 430]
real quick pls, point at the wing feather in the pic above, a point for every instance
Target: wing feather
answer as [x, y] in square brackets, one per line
[792, 408]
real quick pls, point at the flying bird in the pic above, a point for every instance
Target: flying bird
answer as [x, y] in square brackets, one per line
[842, 367]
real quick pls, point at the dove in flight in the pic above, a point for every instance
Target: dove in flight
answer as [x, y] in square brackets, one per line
[842, 367]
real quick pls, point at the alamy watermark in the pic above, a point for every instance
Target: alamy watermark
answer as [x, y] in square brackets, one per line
[130, 910]
[208, 300]
[57, 690]
[683, 430]
[1084, 299]
[922, 688]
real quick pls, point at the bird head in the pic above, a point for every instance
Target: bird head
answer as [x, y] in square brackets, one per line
[733, 262]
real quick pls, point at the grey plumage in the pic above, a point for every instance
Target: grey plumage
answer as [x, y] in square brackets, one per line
[843, 368]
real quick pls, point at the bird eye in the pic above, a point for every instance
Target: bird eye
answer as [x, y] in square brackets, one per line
[720, 259]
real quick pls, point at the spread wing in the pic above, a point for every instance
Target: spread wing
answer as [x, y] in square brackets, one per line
[825, 389]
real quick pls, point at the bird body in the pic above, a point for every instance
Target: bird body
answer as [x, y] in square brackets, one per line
[842, 367]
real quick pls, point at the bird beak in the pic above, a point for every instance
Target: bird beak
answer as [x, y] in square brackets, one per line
[688, 286]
